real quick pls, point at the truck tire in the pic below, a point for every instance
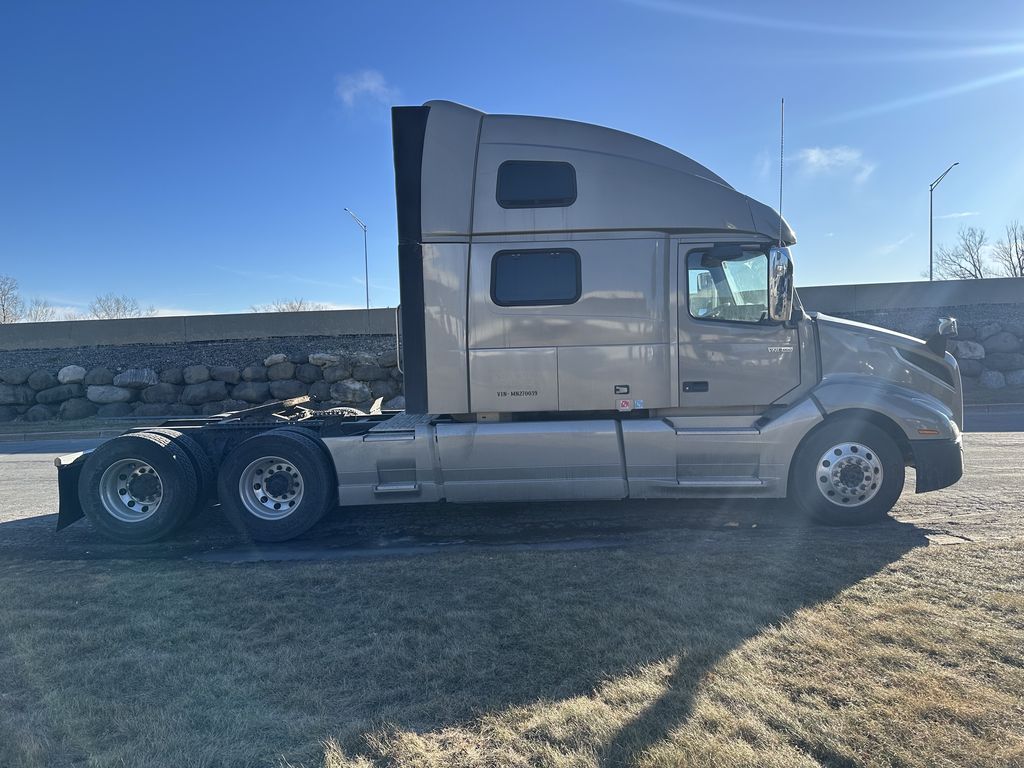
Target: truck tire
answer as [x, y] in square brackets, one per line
[206, 475]
[276, 485]
[847, 472]
[137, 488]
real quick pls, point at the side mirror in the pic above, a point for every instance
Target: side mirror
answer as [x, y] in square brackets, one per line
[947, 329]
[780, 285]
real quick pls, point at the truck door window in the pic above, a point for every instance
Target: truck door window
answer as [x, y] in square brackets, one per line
[536, 184]
[733, 289]
[535, 278]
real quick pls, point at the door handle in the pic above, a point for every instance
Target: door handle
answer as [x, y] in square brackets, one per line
[695, 386]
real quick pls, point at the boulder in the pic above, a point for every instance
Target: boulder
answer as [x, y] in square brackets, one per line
[40, 412]
[992, 380]
[1004, 361]
[136, 378]
[98, 377]
[396, 403]
[350, 391]
[386, 389]
[115, 410]
[8, 413]
[59, 394]
[281, 371]
[17, 394]
[1017, 329]
[15, 375]
[298, 358]
[363, 358]
[254, 373]
[71, 374]
[102, 394]
[1004, 341]
[320, 391]
[966, 350]
[287, 388]
[966, 332]
[161, 393]
[77, 408]
[195, 374]
[172, 376]
[1014, 379]
[397, 375]
[226, 373]
[388, 359]
[204, 392]
[276, 359]
[336, 373]
[370, 373]
[224, 406]
[988, 329]
[252, 391]
[971, 368]
[179, 409]
[324, 359]
[40, 380]
[308, 373]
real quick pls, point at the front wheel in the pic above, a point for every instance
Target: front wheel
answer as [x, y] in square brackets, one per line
[847, 472]
[276, 485]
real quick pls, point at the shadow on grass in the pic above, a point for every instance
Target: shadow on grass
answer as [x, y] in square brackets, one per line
[245, 664]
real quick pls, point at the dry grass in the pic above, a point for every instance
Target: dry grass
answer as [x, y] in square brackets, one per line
[714, 649]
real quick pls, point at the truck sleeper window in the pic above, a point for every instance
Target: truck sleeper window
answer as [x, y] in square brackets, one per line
[535, 278]
[536, 184]
[732, 289]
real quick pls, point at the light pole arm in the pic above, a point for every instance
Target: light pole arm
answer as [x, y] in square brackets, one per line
[935, 183]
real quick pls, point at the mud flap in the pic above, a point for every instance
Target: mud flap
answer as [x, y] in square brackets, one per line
[69, 468]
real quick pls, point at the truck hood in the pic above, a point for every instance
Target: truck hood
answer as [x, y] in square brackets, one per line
[852, 348]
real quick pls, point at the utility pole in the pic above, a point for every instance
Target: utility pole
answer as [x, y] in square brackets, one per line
[366, 266]
[931, 219]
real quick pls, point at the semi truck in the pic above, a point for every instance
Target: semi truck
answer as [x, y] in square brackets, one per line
[585, 314]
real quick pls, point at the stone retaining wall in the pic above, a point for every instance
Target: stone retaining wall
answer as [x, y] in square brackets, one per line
[72, 391]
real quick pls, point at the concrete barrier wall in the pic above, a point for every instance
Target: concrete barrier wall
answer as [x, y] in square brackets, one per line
[170, 330]
[843, 299]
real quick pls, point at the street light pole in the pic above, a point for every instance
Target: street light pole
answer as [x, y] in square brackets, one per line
[366, 266]
[931, 219]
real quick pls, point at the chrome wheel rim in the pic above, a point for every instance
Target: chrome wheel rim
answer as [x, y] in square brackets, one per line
[131, 490]
[271, 488]
[849, 474]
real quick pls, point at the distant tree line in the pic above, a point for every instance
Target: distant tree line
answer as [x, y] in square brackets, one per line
[973, 257]
[110, 306]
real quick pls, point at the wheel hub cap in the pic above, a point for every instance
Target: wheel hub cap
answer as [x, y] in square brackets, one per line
[131, 490]
[270, 488]
[849, 474]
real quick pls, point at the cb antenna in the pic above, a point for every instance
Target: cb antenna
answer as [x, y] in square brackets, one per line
[782, 156]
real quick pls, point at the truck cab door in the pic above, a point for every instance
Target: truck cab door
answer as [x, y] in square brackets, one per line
[730, 353]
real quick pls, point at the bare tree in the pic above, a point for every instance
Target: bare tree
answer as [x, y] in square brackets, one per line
[1008, 253]
[966, 259]
[289, 305]
[40, 311]
[12, 308]
[110, 306]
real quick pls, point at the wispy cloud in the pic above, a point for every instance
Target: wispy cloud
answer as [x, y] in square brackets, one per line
[764, 163]
[709, 13]
[816, 161]
[959, 215]
[365, 84]
[924, 98]
[890, 248]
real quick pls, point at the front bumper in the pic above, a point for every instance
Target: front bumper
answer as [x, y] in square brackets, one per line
[939, 463]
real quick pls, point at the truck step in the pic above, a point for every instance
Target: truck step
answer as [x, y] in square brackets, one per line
[403, 422]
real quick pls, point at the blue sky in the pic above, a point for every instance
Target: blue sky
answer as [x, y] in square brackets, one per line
[199, 156]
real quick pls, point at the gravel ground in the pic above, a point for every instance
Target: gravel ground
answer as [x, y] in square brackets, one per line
[239, 353]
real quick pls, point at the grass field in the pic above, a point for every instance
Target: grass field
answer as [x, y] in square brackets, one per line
[711, 649]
